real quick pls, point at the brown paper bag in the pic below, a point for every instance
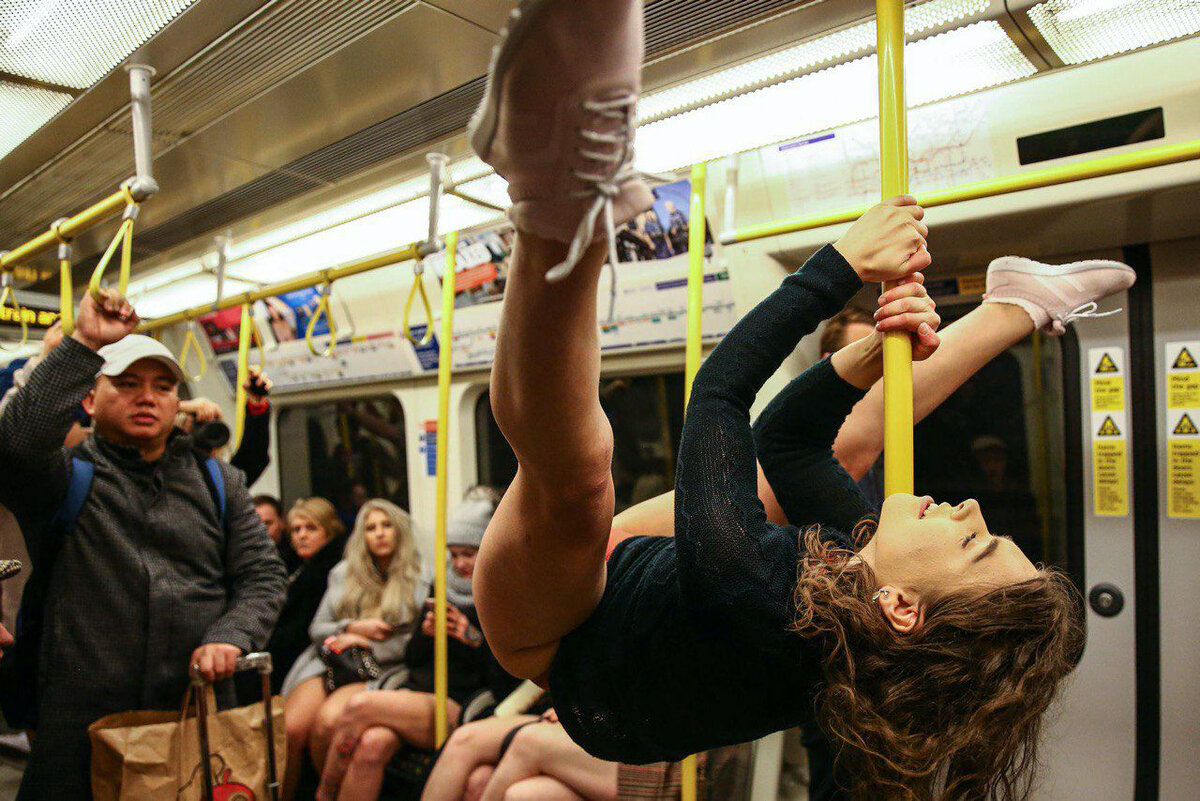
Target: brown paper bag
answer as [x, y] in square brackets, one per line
[155, 756]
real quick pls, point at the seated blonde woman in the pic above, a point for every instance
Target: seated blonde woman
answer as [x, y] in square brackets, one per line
[373, 601]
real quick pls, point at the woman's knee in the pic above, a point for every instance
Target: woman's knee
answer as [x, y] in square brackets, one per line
[376, 746]
[477, 782]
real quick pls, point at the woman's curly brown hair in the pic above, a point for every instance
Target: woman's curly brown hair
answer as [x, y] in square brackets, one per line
[952, 710]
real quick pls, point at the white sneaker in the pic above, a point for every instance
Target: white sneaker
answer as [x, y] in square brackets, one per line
[1056, 295]
[558, 117]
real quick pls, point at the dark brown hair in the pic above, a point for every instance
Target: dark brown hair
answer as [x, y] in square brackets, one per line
[952, 710]
[835, 328]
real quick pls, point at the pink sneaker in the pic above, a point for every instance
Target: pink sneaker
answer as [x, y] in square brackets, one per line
[1055, 295]
[558, 118]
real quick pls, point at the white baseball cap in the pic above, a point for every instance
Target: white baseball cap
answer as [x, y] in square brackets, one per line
[120, 355]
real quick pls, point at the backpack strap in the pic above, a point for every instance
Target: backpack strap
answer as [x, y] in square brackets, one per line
[215, 480]
[82, 473]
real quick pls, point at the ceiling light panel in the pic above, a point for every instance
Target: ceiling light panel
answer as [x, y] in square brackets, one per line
[964, 60]
[184, 294]
[799, 59]
[1085, 30]
[23, 110]
[76, 42]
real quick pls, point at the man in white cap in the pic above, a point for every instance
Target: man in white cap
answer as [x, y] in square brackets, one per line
[151, 576]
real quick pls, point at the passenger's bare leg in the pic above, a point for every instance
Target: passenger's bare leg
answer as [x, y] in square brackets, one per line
[328, 717]
[542, 788]
[967, 345]
[300, 714]
[541, 567]
[364, 776]
[477, 782]
[469, 747]
[547, 750]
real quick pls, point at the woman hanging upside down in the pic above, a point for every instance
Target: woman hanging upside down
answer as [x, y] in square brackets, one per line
[938, 644]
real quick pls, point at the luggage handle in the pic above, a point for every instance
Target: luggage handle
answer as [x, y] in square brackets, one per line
[260, 662]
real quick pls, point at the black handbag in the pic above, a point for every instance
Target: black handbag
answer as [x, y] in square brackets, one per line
[347, 666]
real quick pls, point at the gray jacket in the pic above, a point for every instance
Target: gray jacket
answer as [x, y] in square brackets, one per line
[388, 653]
[147, 575]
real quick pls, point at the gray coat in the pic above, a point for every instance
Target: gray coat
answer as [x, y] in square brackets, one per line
[388, 653]
[147, 575]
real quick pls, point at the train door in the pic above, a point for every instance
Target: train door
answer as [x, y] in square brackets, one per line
[1175, 340]
[1020, 437]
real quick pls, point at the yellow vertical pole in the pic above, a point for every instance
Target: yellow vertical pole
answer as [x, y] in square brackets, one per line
[245, 334]
[441, 675]
[893, 159]
[695, 314]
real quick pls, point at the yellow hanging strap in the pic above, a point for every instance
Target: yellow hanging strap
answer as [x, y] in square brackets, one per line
[695, 315]
[440, 663]
[323, 310]
[245, 334]
[122, 240]
[7, 295]
[893, 158]
[192, 351]
[418, 290]
[66, 286]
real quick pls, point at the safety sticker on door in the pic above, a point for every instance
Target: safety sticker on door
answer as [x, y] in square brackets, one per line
[1110, 432]
[1183, 429]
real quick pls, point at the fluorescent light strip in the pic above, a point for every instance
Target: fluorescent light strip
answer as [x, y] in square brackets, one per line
[1086, 30]
[953, 63]
[798, 59]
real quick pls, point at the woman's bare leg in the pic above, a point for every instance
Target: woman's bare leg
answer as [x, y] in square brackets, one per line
[300, 713]
[477, 782]
[328, 717]
[541, 568]
[546, 749]
[364, 776]
[542, 788]
[967, 345]
[408, 714]
[469, 747]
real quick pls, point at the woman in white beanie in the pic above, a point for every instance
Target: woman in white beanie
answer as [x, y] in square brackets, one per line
[375, 725]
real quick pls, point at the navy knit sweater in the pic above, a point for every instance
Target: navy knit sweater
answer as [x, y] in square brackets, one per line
[691, 646]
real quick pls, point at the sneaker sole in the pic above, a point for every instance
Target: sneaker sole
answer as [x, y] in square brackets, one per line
[482, 128]
[1064, 269]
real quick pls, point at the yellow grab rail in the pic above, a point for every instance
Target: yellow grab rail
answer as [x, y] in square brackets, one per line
[67, 229]
[1115, 164]
[441, 665]
[893, 161]
[6, 294]
[697, 223]
[282, 288]
[243, 374]
[418, 290]
[191, 347]
[323, 310]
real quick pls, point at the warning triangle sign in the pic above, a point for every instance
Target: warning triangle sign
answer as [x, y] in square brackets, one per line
[1108, 428]
[1186, 426]
[1185, 361]
[1107, 365]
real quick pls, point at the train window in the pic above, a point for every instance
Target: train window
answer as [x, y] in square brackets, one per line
[646, 413]
[347, 451]
[996, 440]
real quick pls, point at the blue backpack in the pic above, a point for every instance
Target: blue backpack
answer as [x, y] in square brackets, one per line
[19, 668]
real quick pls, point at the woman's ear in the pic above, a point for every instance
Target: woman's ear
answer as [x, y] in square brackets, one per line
[903, 609]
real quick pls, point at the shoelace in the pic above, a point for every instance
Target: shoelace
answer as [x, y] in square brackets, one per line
[1087, 311]
[614, 170]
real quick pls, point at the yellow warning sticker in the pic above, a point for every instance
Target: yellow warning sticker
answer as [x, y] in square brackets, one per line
[1183, 478]
[1110, 486]
[1108, 429]
[1185, 427]
[1183, 375]
[1107, 367]
[972, 284]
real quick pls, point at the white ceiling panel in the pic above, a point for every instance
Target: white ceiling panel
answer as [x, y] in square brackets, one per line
[24, 109]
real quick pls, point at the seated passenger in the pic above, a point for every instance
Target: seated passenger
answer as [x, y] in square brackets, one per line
[374, 602]
[375, 725]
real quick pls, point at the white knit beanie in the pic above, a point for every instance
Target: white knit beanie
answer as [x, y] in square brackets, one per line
[468, 522]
